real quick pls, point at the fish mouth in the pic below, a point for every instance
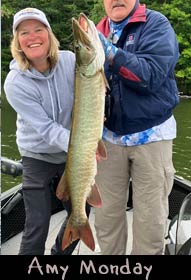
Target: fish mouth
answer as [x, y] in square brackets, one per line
[80, 29]
[83, 22]
[83, 35]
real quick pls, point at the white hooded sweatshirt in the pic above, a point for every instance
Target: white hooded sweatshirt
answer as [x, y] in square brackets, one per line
[44, 107]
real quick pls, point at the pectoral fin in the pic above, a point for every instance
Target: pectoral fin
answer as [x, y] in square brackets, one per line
[62, 189]
[94, 199]
[101, 153]
[102, 150]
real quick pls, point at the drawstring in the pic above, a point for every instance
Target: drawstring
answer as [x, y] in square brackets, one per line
[52, 103]
[58, 98]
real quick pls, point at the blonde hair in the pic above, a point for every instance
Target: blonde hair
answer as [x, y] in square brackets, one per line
[24, 62]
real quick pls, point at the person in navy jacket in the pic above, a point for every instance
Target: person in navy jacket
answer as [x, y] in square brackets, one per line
[141, 52]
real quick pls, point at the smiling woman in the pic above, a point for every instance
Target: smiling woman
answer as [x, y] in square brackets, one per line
[33, 40]
[40, 89]
[34, 43]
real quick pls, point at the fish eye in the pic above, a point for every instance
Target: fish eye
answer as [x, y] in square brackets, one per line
[77, 47]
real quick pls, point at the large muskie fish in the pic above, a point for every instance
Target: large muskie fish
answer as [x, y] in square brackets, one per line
[85, 145]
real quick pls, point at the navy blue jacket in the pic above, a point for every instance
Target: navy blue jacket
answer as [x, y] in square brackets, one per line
[141, 77]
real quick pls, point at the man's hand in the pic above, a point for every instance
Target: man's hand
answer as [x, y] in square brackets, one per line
[109, 49]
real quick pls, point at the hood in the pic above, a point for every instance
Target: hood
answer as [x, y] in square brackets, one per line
[32, 73]
[50, 78]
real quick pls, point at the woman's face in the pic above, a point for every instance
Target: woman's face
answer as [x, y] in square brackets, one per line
[117, 10]
[34, 41]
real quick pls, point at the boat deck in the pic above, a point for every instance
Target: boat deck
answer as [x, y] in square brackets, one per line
[181, 189]
[11, 247]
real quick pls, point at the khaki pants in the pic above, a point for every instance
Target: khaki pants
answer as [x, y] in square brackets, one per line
[151, 169]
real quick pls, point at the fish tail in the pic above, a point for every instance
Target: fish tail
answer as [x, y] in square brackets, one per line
[73, 233]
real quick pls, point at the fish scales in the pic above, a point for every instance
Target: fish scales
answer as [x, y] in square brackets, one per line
[86, 133]
[78, 181]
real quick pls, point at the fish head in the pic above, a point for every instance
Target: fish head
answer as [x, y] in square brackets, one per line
[87, 46]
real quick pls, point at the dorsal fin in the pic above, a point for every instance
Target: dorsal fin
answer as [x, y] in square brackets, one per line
[62, 189]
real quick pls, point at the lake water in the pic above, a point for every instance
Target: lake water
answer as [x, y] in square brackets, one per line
[181, 147]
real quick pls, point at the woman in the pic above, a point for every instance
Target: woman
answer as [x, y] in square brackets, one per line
[40, 87]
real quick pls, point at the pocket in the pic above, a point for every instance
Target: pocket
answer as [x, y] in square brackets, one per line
[169, 177]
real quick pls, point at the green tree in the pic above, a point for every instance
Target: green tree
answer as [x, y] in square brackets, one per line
[98, 11]
[179, 14]
[60, 12]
